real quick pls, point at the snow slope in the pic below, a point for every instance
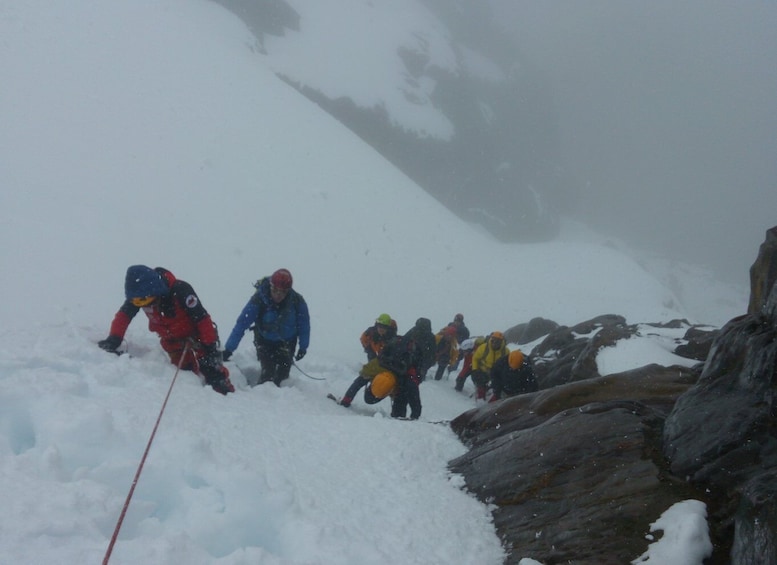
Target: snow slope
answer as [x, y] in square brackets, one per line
[153, 132]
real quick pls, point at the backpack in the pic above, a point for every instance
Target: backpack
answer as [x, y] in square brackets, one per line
[291, 306]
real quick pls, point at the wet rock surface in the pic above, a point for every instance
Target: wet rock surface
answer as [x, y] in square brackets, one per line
[577, 471]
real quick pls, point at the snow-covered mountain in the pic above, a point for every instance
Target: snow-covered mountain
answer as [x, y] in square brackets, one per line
[380, 75]
[177, 144]
[424, 90]
[155, 132]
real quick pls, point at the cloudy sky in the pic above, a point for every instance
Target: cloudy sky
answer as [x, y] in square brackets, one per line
[667, 115]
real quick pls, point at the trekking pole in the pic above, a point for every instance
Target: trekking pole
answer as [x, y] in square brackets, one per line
[143, 460]
[308, 376]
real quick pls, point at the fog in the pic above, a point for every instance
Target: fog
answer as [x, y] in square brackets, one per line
[667, 117]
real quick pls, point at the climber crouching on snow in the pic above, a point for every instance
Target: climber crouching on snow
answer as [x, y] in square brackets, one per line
[176, 314]
[511, 375]
[395, 373]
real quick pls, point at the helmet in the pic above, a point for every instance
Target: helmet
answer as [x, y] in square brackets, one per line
[515, 359]
[467, 345]
[383, 383]
[142, 281]
[458, 318]
[496, 339]
[383, 320]
[281, 279]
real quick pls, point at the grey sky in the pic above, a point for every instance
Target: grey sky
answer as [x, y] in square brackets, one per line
[668, 116]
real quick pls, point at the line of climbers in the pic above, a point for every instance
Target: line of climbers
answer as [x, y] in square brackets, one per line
[278, 315]
[396, 365]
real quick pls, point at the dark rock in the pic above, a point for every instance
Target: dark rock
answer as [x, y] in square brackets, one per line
[722, 434]
[763, 273]
[531, 331]
[577, 488]
[756, 522]
[569, 354]
[719, 428]
[653, 385]
[578, 417]
[578, 470]
[271, 17]
[697, 343]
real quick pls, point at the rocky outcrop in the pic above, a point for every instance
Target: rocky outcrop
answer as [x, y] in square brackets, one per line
[576, 470]
[723, 434]
[530, 331]
[763, 273]
[568, 354]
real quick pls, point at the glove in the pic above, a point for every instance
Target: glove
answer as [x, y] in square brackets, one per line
[226, 354]
[110, 343]
[300, 354]
[221, 383]
[212, 357]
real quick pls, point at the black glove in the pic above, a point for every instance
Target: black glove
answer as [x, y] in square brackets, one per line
[226, 354]
[222, 385]
[212, 357]
[110, 343]
[300, 354]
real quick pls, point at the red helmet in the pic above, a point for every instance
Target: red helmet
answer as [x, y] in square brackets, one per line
[281, 279]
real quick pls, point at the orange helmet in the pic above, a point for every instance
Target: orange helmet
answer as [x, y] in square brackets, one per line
[383, 384]
[515, 359]
[496, 339]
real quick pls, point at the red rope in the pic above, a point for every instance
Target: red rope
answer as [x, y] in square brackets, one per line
[143, 460]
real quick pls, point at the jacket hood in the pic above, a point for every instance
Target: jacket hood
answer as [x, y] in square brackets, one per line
[423, 324]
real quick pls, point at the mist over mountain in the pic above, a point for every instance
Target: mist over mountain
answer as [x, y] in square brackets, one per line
[162, 132]
[454, 113]
[654, 123]
[667, 116]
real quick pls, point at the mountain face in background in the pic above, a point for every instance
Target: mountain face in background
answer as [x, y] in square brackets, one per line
[452, 110]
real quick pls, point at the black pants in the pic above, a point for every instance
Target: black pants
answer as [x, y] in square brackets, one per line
[355, 387]
[275, 357]
[442, 364]
[408, 393]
